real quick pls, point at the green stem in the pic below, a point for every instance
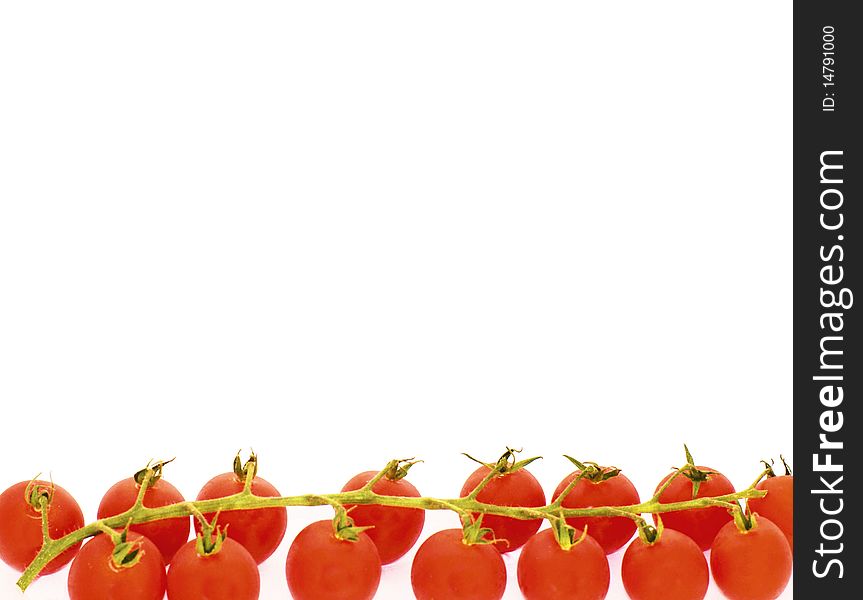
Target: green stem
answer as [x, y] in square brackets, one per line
[763, 474]
[568, 489]
[481, 485]
[103, 528]
[142, 490]
[380, 475]
[674, 475]
[245, 500]
[43, 514]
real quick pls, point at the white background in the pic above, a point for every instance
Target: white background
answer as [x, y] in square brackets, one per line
[345, 232]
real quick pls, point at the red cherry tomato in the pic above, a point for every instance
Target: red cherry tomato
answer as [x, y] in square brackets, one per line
[548, 572]
[610, 532]
[778, 504]
[395, 529]
[751, 565]
[94, 576]
[21, 524]
[516, 488]
[169, 534]
[446, 567]
[229, 574]
[260, 530]
[701, 524]
[320, 566]
[671, 568]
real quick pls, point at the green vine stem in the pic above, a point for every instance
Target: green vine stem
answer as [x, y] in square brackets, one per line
[246, 500]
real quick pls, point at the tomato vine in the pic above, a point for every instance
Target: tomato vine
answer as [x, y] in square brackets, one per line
[464, 506]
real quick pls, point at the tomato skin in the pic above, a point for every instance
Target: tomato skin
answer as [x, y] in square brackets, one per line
[755, 565]
[446, 567]
[516, 488]
[260, 530]
[701, 524]
[611, 532]
[396, 529]
[21, 526]
[671, 568]
[169, 534]
[322, 567]
[778, 504]
[548, 572]
[93, 575]
[229, 574]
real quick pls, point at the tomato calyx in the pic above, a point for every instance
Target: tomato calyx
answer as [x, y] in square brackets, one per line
[398, 468]
[212, 536]
[126, 553]
[344, 527]
[36, 491]
[506, 463]
[744, 518]
[768, 468]
[692, 473]
[155, 471]
[565, 534]
[209, 542]
[243, 470]
[593, 471]
[650, 534]
[473, 533]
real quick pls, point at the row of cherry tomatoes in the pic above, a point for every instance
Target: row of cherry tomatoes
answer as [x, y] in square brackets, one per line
[753, 564]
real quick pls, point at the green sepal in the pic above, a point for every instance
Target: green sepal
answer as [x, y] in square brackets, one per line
[578, 464]
[476, 460]
[744, 518]
[126, 554]
[506, 463]
[34, 492]
[351, 533]
[473, 533]
[769, 467]
[344, 528]
[398, 468]
[693, 474]
[648, 533]
[210, 542]
[594, 471]
[608, 473]
[564, 533]
[241, 469]
[522, 464]
[689, 459]
[696, 486]
[155, 468]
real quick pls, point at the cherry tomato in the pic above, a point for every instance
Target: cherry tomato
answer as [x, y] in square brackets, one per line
[21, 524]
[611, 532]
[671, 568]
[751, 565]
[321, 566]
[701, 524]
[229, 574]
[94, 576]
[548, 572]
[778, 504]
[395, 529]
[260, 530]
[515, 488]
[446, 567]
[169, 534]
